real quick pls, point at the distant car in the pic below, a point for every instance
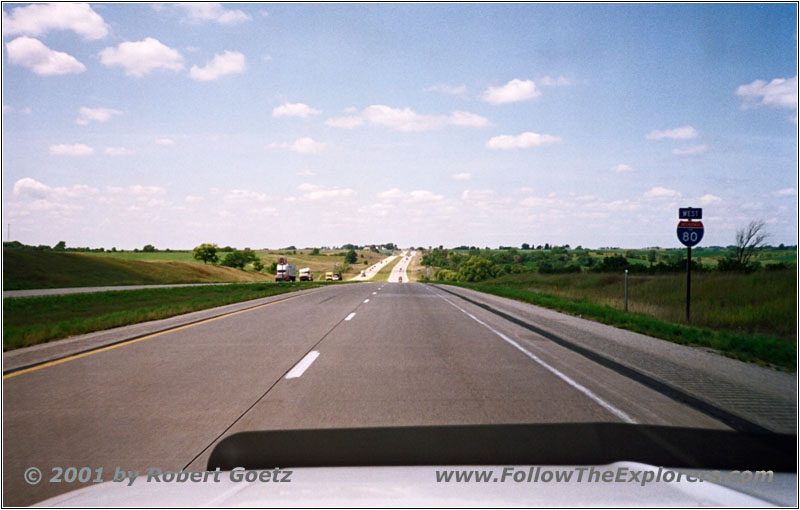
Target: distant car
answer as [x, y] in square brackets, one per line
[400, 279]
[336, 277]
[329, 276]
[363, 273]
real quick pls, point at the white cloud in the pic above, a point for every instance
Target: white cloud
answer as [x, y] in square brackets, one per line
[415, 196]
[142, 57]
[77, 149]
[34, 55]
[211, 11]
[241, 195]
[294, 110]
[10, 109]
[554, 82]
[709, 199]
[34, 190]
[523, 141]
[786, 192]
[681, 133]
[406, 119]
[86, 115]
[659, 192]
[541, 202]
[468, 119]
[136, 190]
[422, 195]
[480, 195]
[462, 176]
[302, 145]
[30, 188]
[779, 93]
[314, 192]
[229, 62]
[512, 92]
[305, 173]
[37, 19]
[623, 168]
[345, 122]
[118, 151]
[165, 141]
[691, 150]
[447, 89]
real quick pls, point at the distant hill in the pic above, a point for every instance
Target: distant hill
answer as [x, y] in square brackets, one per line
[34, 269]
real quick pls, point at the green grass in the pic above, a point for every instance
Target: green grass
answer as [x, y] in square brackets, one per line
[31, 269]
[385, 272]
[33, 320]
[158, 256]
[751, 317]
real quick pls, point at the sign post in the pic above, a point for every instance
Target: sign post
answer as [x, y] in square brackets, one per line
[689, 234]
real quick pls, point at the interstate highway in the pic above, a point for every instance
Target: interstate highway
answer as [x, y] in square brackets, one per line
[355, 355]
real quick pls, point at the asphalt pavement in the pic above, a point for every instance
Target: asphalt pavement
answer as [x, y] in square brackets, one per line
[399, 274]
[373, 354]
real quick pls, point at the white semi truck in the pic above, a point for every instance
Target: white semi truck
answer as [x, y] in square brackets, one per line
[306, 275]
[285, 272]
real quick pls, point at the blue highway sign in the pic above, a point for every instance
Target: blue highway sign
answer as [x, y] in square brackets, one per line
[690, 232]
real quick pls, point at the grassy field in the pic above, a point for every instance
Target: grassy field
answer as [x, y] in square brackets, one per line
[157, 256]
[415, 270]
[32, 269]
[34, 320]
[707, 256]
[319, 264]
[748, 316]
[323, 262]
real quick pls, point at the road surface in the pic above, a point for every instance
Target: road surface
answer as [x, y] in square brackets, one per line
[374, 354]
[373, 269]
[398, 273]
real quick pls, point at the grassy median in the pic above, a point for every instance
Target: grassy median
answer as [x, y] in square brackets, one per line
[34, 320]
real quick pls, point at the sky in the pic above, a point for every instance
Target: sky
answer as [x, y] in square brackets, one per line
[269, 125]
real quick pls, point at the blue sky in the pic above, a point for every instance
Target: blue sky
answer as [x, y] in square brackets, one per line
[265, 125]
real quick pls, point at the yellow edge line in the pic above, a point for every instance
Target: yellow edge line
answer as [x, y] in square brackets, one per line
[146, 337]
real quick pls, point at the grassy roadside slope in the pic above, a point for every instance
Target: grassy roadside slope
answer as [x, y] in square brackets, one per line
[749, 326]
[31, 269]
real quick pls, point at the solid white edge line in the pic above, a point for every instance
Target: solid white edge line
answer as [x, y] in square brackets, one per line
[353, 314]
[302, 365]
[586, 391]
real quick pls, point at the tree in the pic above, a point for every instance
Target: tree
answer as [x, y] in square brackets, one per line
[206, 252]
[748, 240]
[239, 259]
[315, 251]
[258, 265]
[61, 246]
[476, 269]
[351, 257]
[526, 246]
[149, 248]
